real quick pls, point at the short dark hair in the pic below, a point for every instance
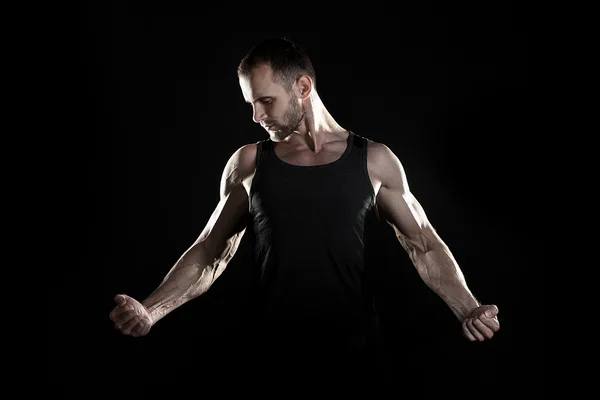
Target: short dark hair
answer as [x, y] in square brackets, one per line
[285, 57]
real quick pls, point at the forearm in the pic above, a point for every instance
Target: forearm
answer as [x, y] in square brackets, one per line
[440, 272]
[192, 275]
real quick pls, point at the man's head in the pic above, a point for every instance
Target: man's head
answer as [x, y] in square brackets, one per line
[275, 77]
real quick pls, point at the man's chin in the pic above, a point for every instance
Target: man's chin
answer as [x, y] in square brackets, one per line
[278, 136]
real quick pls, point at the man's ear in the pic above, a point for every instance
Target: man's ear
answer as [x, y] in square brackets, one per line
[303, 87]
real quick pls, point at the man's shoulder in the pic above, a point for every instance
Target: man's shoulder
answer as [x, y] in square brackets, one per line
[375, 145]
[247, 151]
[379, 152]
[243, 160]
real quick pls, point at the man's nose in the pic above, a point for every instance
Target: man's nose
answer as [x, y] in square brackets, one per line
[258, 114]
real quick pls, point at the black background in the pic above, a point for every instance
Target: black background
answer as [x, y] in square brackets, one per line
[160, 113]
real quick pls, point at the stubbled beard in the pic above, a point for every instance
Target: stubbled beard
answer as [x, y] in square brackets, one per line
[291, 119]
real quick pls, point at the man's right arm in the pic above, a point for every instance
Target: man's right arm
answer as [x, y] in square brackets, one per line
[204, 261]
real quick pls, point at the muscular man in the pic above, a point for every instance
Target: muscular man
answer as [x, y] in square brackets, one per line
[304, 194]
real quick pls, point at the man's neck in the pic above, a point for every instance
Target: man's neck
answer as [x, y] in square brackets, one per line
[317, 127]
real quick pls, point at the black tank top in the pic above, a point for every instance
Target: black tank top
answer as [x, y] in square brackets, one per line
[307, 227]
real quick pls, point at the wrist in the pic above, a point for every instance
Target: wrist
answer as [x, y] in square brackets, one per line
[467, 310]
[152, 310]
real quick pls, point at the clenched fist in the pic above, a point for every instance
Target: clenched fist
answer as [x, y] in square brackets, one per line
[130, 316]
[481, 323]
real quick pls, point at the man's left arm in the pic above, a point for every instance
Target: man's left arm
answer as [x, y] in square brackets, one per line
[428, 252]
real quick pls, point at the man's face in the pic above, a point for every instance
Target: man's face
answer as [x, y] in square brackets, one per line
[278, 111]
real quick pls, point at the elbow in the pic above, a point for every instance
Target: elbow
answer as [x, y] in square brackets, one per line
[419, 242]
[424, 248]
[207, 251]
[213, 254]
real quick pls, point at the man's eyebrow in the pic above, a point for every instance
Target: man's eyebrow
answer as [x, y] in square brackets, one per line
[260, 98]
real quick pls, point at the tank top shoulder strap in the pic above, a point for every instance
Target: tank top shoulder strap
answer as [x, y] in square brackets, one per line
[262, 148]
[359, 142]
[360, 146]
[262, 153]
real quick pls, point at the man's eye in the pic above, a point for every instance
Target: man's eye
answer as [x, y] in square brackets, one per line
[267, 101]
